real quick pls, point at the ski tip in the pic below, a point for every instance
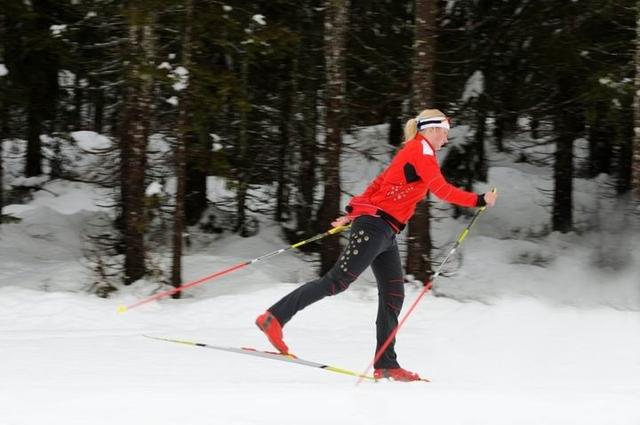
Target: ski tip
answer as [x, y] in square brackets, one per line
[122, 309]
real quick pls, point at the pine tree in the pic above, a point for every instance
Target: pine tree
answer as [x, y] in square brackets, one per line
[4, 116]
[184, 129]
[419, 243]
[94, 40]
[635, 179]
[35, 61]
[307, 81]
[336, 26]
[378, 53]
[284, 130]
[134, 135]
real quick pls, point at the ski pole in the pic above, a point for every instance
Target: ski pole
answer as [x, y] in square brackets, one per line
[424, 290]
[332, 231]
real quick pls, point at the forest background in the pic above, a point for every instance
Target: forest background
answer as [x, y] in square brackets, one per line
[262, 93]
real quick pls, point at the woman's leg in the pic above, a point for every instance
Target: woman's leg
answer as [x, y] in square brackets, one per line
[387, 268]
[368, 238]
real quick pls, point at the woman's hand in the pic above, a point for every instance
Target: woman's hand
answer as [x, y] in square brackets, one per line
[490, 198]
[341, 221]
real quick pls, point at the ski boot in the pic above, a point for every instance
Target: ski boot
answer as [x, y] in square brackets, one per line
[396, 374]
[271, 327]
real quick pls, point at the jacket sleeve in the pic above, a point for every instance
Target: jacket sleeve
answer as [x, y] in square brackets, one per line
[430, 173]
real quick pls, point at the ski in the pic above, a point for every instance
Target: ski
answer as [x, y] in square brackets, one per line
[290, 358]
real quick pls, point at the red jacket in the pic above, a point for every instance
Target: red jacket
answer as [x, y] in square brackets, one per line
[413, 172]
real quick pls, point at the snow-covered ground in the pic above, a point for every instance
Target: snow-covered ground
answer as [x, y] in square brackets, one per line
[532, 327]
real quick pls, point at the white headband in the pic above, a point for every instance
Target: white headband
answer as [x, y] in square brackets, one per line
[438, 122]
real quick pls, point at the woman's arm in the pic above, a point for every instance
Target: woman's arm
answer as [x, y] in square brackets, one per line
[430, 173]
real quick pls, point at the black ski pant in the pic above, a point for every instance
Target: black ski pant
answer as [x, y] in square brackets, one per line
[372, 242]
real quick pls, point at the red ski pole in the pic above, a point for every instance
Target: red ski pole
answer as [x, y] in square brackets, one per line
[122, 308]
[425, 289]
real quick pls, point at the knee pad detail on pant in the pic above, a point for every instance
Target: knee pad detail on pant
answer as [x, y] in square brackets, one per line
[394, 294]
[335, 287]
[339, 281]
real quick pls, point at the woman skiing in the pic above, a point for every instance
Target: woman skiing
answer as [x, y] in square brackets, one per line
[377, 215]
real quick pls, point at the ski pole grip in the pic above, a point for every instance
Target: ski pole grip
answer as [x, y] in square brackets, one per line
[339, 229]
[494, 190]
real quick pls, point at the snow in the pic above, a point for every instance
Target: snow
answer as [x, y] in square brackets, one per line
[179, 86]
[67, 80]
[91, 141]
[528, 326]
[519, 359]
[181, 77]
[259, 19]
[155, 188]
[181, 71]
[449, 6]
[62, 198]
[57, 30]
[474, 86]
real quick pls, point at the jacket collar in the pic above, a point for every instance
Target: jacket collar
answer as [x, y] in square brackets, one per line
[420, 138]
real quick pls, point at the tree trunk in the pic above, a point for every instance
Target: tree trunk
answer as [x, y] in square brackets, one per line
[40, 66]
[33, 161]
[78, 100]
[308, 163]
[635, 162]
[419, 244]
[2, 136]
[98, 111]
[184, 129]
[498, 132]
[308, 160]
[535, 127]
[242, 163]
[336, 23]
[241, 206]
[133, 141]
[480, 171]
[562, 216]
[623, 156]
[196, 180]
[282, 193]
[306, 69]
[635, 168]
[394, 118]
[4, 110]
[600, 143]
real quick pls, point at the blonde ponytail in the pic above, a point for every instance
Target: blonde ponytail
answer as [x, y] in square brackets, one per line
[410, 129]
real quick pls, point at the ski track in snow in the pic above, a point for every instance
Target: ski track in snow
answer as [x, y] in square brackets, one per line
[75, 359]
